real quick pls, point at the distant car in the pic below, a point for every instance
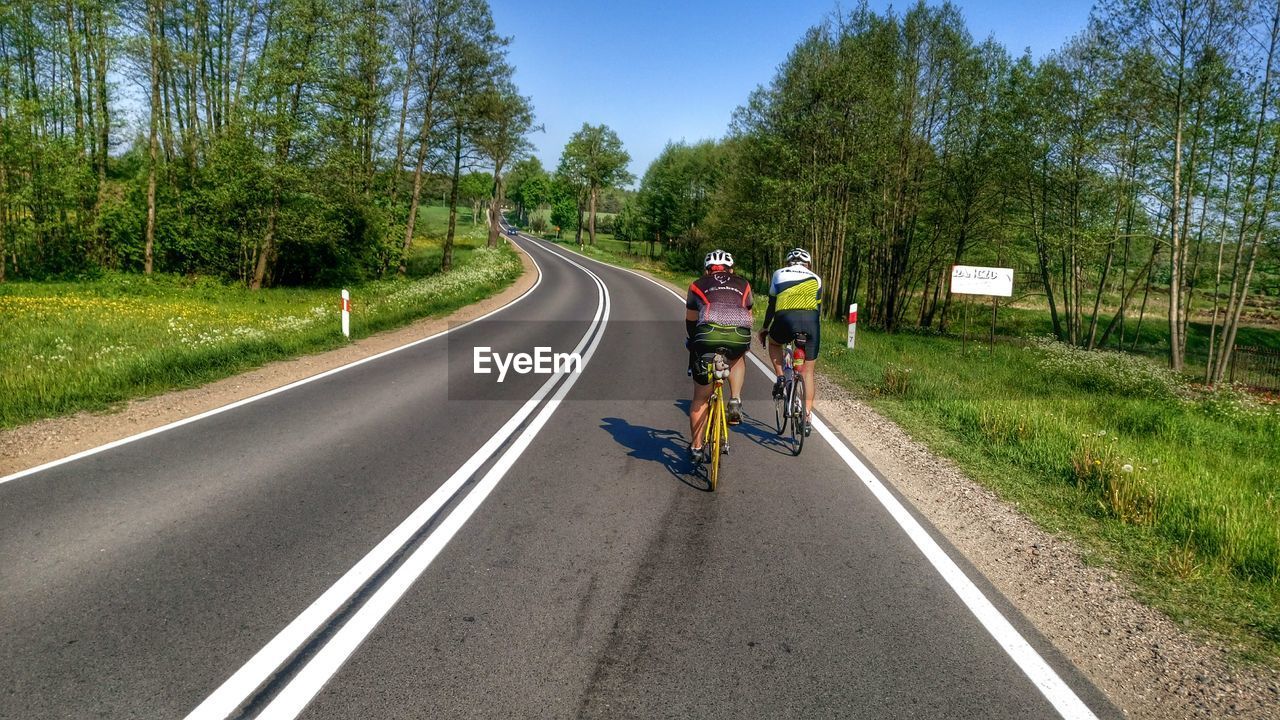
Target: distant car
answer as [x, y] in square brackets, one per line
[512, 231]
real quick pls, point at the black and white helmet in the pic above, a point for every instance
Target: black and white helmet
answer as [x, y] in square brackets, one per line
[798, 255]
[717, 257]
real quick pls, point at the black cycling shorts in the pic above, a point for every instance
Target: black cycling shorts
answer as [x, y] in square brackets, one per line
[710, 338]
[789, 322]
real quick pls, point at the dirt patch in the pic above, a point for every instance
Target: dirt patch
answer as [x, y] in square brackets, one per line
[31, 445]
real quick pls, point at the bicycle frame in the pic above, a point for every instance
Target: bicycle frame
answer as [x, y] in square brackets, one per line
[791, 408]
[715, 429]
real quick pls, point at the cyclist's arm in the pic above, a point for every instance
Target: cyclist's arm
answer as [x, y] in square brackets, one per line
[690, 321]
[769, 312]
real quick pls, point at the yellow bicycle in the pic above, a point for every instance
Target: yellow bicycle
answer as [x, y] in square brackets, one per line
[715, 431]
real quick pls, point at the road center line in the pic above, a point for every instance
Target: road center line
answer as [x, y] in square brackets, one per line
[253, 674]
[308, 682]
[1047, 681]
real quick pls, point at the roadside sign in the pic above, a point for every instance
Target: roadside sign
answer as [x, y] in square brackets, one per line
[974, 280]
[853, 323]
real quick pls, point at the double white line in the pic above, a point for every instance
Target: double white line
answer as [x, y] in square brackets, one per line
[308, 681]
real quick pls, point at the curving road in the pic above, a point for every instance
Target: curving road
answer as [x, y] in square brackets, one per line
[406, 538]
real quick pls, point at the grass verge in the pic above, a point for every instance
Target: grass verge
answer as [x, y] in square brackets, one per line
[68, 347]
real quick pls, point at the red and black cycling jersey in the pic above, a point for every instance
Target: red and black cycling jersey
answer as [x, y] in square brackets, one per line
[722, 298]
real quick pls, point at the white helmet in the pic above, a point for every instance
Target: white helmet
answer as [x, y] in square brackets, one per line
[798, 255]
[717, 257]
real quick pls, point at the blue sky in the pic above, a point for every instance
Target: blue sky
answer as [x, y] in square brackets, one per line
[659, 70]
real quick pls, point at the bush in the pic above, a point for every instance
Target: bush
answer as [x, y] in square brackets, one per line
[1107, 370]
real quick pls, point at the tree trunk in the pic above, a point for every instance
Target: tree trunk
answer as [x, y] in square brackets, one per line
[104, 110]
[446, 257]
[1237, 298]
[495, 209]
[1217, 276]
[577, 235]
[268, 243]
[1175, 243]
[595, 194]
[4, 212]
[154, 8]
[398, 166]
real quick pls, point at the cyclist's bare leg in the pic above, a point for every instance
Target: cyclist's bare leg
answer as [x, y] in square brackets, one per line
[698, 413]
[737, 373]
[778, 355]
[807, 373]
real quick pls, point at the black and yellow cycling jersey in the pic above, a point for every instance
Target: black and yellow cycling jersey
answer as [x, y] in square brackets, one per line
[795, 298]
[795, 287]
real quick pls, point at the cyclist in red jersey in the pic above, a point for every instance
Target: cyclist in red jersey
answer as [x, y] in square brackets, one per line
[717, 318]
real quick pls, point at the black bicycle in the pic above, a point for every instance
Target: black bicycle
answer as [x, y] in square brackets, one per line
[788, 410]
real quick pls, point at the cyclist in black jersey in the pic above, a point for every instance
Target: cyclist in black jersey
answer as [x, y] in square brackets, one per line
[717, 317]
[795, 298]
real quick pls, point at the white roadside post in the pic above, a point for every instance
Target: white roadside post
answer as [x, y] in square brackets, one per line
[853, 323]
[346, 314]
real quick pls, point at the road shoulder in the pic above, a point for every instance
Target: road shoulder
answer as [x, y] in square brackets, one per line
[40, 442]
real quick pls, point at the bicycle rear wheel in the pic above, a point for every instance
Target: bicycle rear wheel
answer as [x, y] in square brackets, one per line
[716, 418]
[780, 413]
[797, 416]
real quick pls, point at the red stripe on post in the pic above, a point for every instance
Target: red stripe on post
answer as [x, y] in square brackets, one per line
[853, 317]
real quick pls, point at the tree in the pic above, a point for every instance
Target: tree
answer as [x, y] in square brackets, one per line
[506, 118]
[593, 159]
[528, 186]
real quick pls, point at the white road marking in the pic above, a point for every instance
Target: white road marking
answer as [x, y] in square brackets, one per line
[1047, 681]
[263, 395]
[237, 689]
[308, 682]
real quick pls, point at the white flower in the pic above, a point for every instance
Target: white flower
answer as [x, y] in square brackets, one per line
[1127, 468]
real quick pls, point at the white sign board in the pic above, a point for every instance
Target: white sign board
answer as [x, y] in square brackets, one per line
[971, 280]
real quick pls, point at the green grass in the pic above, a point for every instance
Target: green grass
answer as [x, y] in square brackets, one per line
[1178, 489]
[430, 230]
[72, 346]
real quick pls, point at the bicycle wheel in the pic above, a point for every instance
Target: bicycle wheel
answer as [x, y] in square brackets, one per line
[716, 419]
[780, 413]
[797, 416]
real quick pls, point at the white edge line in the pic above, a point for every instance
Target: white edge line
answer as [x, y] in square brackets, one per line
[1047, 681]
[260, 396]
[233, 692]
[303, 688]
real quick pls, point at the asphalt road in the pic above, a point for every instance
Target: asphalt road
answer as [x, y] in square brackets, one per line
[406, 538]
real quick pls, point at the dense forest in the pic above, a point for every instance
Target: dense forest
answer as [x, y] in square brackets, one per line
[1133, 167]
[264, 141]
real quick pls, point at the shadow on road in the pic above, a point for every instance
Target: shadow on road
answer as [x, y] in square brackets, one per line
[666, 447]
[762, 434]
[669, 448]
